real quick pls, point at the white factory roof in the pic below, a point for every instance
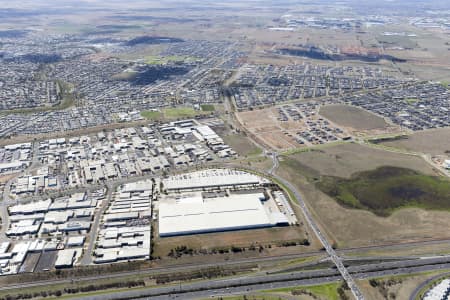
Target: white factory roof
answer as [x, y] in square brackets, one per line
[18, 146]
[211, 178]
[439, 291]
[39, 206]
[75, 241]
[206, 132]
[4, 247]
[197, 215]
[137, 186]
[12, 165]
[65, 258]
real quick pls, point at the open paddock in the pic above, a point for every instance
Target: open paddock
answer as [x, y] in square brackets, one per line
[346, 159]
[355, 227]
[224, 240]
[356, 119]
[435, 142]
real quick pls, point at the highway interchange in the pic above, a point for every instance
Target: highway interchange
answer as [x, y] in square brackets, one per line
[258, 281]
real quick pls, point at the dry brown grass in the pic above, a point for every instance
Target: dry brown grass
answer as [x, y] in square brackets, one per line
[243, 238]
[435, 248]
[345, 159]
[353, 227]
[354, 118]
[6, 178]
[268, 130]
[435, 142]
[242, 145]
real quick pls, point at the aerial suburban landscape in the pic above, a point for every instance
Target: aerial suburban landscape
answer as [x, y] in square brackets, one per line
[244, 149]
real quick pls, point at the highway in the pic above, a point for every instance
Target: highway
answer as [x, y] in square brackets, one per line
[348, 274]
[310, 220]
[250, 283]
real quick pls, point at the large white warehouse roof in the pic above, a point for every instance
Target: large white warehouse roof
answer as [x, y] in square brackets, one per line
[211, 178]
[191, 215]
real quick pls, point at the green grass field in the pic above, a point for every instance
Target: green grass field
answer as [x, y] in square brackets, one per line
[207, 107]
[125, 76]
[325, 291]
[162, 60]
[151, 115]
[174, 113]
[180, 112]
[412, 100]
[388, 188]
[446, 84]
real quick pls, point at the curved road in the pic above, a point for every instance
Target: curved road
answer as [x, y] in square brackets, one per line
[331, 252]
[417, 290]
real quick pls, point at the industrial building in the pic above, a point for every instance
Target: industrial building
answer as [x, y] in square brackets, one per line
[220, 200]
[212, 179]
[125, 232]
[192, 213]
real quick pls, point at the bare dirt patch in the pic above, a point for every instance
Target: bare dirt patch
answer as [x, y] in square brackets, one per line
[266, 129]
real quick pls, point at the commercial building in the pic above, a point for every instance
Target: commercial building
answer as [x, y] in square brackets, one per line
[192, 213]
[212, 179]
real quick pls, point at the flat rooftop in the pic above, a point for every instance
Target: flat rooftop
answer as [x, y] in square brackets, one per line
[211, 178]
[193, 214]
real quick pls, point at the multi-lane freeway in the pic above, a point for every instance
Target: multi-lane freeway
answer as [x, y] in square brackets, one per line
[257, 282]
[252, 283]
[309, 219]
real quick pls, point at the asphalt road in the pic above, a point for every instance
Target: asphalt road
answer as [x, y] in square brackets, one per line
[87, 255]
[415, 293]
[310, 220]
[337, 260]
[247, 284]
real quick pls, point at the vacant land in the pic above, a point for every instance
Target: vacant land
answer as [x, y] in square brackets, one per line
[353, 117]
[345, 159]
[242, 145]
[412, 249]
[386, 189]
[207, 107]
[162, 60]
[126, 76]
[397, 41]
[353, 227]
[151, 115]
[180, 112]
[435, 142]
[328, 291]
[244, 238]
[269, 131]
[174, 113]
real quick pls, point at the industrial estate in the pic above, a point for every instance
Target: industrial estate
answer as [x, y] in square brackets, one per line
[233, 150]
